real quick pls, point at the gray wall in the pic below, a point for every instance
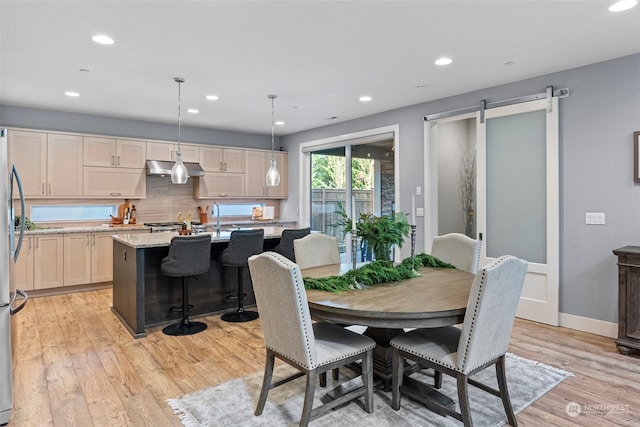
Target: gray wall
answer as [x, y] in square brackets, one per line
[34, 118]
[596, 170]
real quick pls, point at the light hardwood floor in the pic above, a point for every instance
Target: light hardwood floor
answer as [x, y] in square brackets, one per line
[79, 367]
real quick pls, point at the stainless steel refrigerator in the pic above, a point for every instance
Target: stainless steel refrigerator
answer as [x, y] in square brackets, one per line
[11, 300]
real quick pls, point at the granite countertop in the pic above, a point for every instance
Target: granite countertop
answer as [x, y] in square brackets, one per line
[151, 240]
[88, 229]
[120, 229]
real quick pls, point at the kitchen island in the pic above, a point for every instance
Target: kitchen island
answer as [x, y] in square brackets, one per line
[143, 296]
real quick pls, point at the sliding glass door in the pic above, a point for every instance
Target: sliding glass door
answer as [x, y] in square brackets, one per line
[354, 179]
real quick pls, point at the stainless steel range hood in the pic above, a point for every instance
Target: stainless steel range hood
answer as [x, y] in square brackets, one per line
[163, 168]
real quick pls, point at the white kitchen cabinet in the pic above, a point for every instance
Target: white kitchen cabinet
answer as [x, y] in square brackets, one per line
[23, 269]
[101, 257]
[77, 259]
[48, 264]
[28, 151]
[215, 185]
[40, 263]
[88, 258]
[219, 159]
[114, 182]
[50, 165]
[167, 151]
[114, 167]
[257, 164]
[111, 152]
[64, 165]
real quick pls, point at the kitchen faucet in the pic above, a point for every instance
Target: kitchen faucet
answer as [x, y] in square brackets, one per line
[217, 218]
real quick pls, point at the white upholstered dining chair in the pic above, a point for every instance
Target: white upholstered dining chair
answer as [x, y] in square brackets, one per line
[459, 250]
[482, 341]
[290, 335]
[316, 249]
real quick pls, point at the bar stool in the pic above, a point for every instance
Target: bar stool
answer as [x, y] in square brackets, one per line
[242, 245]
[285, 247]
[188, 256]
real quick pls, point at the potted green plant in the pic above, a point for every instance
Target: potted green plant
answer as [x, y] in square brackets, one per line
[380, 232]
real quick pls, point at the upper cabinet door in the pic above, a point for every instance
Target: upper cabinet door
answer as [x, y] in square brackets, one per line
[190, 152]
[28, 151]
[211, 159]
[167, 151]
[99, 151]
[159, 151]
[233, 160]
[130, 153]
[218, 159]
[64, 165]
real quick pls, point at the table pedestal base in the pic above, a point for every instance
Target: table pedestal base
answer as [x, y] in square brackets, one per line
[383, 369]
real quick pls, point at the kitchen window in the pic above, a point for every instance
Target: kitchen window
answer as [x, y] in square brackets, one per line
[46, 213]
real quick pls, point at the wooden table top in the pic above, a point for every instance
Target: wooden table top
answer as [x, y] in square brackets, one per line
[438, 297]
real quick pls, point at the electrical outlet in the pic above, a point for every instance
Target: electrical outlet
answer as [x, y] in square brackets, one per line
[419, 211]
[594, 218]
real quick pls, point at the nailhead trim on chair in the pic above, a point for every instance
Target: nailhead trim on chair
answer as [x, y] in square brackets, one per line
[475, 313]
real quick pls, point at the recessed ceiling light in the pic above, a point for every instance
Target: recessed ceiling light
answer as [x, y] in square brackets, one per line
[443, 61]
[509, 63]
[193, 111]
[102, 39]
[419, 87]
[83, 70]
[622, 5]
[212, 97]
[72, 94]
[365, 98]
[279, 123]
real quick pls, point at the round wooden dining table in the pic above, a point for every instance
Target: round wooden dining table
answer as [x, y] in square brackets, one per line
[437, 297]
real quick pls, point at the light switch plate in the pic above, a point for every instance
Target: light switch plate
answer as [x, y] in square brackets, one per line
[419, 211]
[594, 218]
[418, 191]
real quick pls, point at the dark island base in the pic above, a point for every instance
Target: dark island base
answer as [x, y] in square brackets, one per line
[143, 297]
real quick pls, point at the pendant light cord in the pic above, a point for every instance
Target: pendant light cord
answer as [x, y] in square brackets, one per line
[179, 80]
[272, 131]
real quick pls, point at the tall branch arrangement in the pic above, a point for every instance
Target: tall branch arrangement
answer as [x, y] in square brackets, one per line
[467, 187]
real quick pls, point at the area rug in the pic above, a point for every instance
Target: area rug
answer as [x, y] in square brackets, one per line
[233, 403]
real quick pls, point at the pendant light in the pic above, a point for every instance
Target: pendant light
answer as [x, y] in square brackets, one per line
[273, 176]
[179, 174]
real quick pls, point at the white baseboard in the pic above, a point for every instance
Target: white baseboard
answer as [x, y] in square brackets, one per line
[585, 324]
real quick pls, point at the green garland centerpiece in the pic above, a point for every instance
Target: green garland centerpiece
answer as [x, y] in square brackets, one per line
[381, 232]
[376, 272]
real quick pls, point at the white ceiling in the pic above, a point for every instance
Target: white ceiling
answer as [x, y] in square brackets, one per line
[318, 56]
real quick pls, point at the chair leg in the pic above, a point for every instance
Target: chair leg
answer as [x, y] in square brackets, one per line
[396, 378]
[323, 379]
[266, 382]
[336, 373]
[308, 398]
[504, 392]
[437, 379]
[367, 380]
[463, 398]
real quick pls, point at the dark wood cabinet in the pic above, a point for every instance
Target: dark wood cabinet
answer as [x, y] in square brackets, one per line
[628, 299]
